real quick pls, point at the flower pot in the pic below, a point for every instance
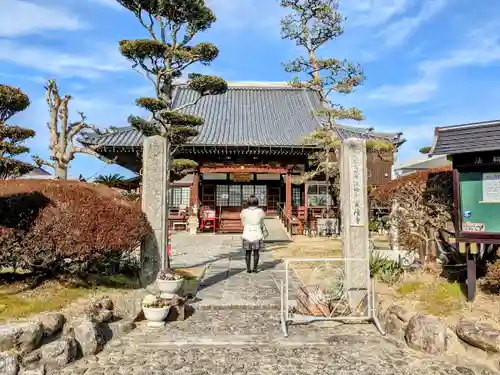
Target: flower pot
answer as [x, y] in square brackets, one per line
[156, 316]
[169, 288]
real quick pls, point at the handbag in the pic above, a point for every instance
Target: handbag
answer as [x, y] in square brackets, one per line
[264, 230]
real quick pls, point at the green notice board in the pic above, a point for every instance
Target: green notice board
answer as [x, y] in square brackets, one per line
[480, 202]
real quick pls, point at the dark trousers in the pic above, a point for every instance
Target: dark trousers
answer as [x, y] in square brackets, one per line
[248, 258]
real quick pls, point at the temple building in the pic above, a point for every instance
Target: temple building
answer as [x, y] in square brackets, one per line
[252, 143]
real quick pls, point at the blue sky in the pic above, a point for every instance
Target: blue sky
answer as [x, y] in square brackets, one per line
[428, 63]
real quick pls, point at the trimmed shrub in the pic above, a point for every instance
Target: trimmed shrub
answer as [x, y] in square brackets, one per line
[491, 281]
[62, 226]
[423, 203]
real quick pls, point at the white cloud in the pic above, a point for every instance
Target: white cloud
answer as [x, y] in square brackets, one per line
[63, 64]
[481, 48]
[262, 16]
[108, 3]
[402, 29]
[20, 17]
[405, 94]
[375, 12]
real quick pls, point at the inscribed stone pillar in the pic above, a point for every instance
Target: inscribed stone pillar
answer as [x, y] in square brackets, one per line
[354, 215]
[154, 196]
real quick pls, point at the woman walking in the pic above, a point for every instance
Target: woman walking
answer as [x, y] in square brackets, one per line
[254, 230]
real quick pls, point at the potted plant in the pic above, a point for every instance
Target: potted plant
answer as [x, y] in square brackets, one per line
[169, 282]
[192, 281]
[155, 310]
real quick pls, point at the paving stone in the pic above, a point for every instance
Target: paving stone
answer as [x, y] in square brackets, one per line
[236, 330]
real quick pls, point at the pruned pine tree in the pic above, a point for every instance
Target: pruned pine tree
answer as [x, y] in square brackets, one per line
[312, 25]
[12, 137]
[163, 58]
[63, 147]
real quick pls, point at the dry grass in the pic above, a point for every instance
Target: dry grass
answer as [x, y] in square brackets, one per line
[21, 299]
[429, 293]
[305, 247]
[191, 272]
[315, 247]
[436, 297]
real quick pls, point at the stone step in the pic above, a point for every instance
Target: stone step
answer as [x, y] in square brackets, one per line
[245, 341]
[214, 304]
[250, 326]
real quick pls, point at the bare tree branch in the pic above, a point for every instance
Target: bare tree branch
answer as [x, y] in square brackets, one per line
[40, 162]
[188, 104]
[91, 151]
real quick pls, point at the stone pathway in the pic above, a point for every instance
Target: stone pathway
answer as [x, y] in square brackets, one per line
[226, 282]
[248, 339]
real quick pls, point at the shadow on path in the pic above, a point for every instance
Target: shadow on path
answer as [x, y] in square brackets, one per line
[230, 272]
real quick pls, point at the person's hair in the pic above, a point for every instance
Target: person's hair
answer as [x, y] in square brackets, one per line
[253, 201]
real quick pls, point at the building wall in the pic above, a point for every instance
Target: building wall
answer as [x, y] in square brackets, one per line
[379, 170]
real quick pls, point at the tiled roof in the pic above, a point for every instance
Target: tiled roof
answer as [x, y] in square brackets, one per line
[473, 137]
[265, 114]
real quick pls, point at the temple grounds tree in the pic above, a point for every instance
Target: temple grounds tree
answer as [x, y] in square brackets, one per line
[425, 150]
[12, 137]
[111, 180]
[312, 25]
[163, 59]
[63, 132]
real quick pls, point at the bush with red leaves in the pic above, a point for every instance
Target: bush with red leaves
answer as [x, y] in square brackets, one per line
[53, 225]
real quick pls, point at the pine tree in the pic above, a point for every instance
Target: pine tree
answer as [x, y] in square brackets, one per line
[12, 137]
[312, 25]
[163, 59]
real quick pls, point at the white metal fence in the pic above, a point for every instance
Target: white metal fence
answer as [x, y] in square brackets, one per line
[335, 289]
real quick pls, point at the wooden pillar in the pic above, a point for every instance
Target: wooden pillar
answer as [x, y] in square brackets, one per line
[195, 189]
[288, 194]
[306, 204]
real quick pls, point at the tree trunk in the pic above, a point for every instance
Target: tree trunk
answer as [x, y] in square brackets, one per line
[61, 171]
[432, 248]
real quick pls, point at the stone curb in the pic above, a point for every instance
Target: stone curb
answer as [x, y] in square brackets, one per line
[234, 306]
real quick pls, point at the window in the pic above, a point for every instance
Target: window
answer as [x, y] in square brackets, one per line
[318, 196]
[261, 194]
[235, 195]
[246, 190]
[179, 196]
[222, 195]
[297, 196]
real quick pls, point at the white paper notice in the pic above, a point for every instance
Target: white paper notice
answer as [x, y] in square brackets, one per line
[491, 187]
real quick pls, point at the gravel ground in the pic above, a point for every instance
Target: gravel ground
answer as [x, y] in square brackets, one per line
[250, 341]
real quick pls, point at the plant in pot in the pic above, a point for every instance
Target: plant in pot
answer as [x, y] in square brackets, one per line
[155, 310]
[169, 282]
[192, 281]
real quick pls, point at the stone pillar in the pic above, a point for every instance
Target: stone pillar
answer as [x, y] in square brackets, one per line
[288, 194]
[154, 195]
[354, 214]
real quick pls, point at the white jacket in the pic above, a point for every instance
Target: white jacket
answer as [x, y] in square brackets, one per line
[252, 219]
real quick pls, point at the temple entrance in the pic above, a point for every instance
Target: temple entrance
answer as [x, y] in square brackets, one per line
[273, 199]
[227, 198]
